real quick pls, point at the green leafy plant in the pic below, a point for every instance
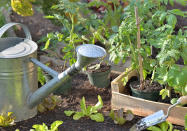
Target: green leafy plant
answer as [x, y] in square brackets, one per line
[54, 126]
[164, 126]
[157, 27]
[118, 116]
[90, 111]
[49, 103]
[7, 120]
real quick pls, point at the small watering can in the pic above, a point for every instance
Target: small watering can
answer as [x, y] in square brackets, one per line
[19, 92]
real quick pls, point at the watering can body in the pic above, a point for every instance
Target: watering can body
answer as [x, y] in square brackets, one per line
[19, 92]
[18, 76]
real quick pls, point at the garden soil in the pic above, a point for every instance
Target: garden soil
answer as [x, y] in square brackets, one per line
[81, 87]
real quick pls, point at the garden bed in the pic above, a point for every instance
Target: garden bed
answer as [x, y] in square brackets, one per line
[81, 87]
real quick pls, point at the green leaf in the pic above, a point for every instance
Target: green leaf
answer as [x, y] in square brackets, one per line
[144, 74]
[69, 113]
[174, 100]
[185, 118]
[120, 120]
[42, 127]
[78, 115]
[47, 44]
[164, 93]
[163, 126]
[7, 120]
[99, 104]
[111, 114]
[170, 126]
[162, 17]
[83, 106]
[98, 117]
[177, 12]
[171, 2]
[165, 2]
[154, 128]
[55, 125]
[172, 20]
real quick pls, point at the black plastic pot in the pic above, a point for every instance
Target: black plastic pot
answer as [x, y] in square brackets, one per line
[99, 79]
[153, 95]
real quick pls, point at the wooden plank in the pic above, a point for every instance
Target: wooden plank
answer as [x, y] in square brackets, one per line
[140, 106]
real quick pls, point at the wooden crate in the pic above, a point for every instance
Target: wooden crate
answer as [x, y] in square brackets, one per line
[141, 107]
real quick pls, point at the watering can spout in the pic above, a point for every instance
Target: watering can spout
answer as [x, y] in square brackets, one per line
[86, 54]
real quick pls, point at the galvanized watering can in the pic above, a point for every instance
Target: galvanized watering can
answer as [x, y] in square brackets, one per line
[19, 92]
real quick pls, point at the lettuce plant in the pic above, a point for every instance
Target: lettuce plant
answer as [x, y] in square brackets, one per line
[49, 103]
[164, 126]
[118, 116]
[90, 111]
[43, 127]
[7, 120]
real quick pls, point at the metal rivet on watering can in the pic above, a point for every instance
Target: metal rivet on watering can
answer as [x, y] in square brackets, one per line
[19, 92]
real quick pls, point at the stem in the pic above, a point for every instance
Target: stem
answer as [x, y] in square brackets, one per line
[139, 47]
[71, 34]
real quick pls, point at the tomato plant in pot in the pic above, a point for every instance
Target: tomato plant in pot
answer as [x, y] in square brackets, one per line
[123, 46]
[99, 74]
[154, 18]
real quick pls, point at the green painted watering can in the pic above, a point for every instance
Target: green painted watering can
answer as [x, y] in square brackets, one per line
[19, 92]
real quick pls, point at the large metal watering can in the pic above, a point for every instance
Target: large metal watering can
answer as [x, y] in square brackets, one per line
[19, 92]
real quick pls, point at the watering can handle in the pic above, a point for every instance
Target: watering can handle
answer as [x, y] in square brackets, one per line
[7, 26]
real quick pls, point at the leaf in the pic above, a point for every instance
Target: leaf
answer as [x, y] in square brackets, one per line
[177, 12]
[120, 120]
[55, 125]
[98, 117]
[154, 128]
[170, 126]
[111, 114]
[42, 127]
[7, 120]
[163, 126]
[162, 17]
[41, 108]
[172, 20]
[144, 74]
[47, 44]
[185, 118]
[69, 113]
[83, 106]
[78, 115]
[174, 100]
[22, 7]
[164, 93]
[99, 104]
[171, 2]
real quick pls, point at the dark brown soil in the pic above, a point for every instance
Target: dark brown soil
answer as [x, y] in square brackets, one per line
[148, 86]
[102, 67]
[37, 24]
